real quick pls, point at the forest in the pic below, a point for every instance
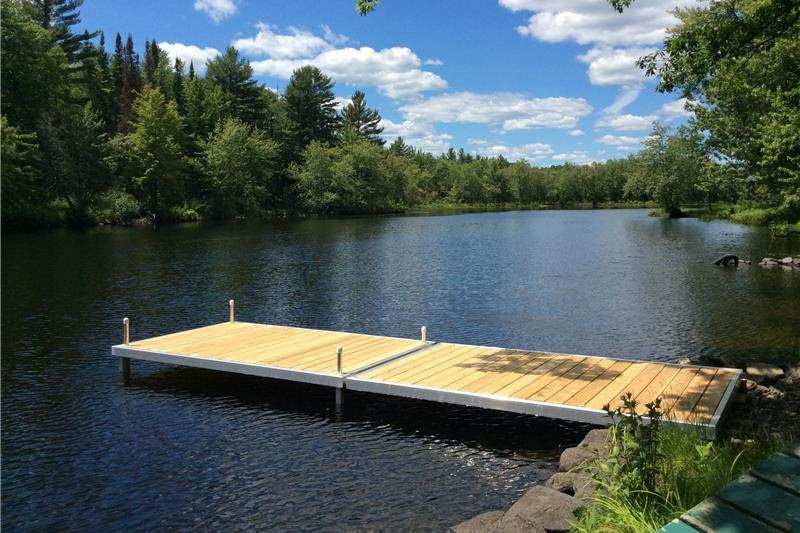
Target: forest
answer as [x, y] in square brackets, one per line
[95, 133]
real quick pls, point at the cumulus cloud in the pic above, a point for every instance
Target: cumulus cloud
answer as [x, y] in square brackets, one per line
[627, 122]
[396, 71]
[614, 66]
[421, 135]
[218, 10]
[528, 152]
[576, 133]
[189, 53]
[619, 140]
[675, 109]
[594, 21]
[296, 43]
[576, 156]
[511, 111]
[434, 62]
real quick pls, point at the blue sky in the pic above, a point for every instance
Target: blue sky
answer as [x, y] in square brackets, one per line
[544, 80]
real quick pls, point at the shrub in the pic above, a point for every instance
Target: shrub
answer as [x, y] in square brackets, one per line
[114, 207]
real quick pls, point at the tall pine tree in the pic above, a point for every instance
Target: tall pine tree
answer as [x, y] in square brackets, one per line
[310, 108]
[361, 120]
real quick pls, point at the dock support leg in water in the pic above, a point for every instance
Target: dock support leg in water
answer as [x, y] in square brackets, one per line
[339, 398]
[125, 362]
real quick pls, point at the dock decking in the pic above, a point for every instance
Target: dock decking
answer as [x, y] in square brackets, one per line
[571, 387]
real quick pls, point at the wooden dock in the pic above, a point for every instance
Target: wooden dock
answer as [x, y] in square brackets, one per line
[570, 387]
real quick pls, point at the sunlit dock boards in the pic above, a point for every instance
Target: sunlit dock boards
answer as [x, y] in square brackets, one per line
[570, 387]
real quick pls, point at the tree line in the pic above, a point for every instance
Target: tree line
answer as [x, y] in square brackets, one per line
[92, 135]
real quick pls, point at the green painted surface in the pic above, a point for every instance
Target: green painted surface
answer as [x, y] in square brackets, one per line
[781, 469]
[676, 526]
[765, 500]
[715, 515]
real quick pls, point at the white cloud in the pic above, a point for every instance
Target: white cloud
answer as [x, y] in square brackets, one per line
[625, 98]
[218, 10]
[341, 102]
[594, 21]
[675, 109]
[619, 140]
[614, 66]
[394, 71]
[189, 53]
[477, 142]
[421, 135]
[511, 111]
[576, 133]
[296, 43]
[529, 152]
[627, 122]
[576, 156]
[333, 37]
[433, 62]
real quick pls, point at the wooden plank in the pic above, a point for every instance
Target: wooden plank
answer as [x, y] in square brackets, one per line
[580, 382]
[514, 365]
[715, 515]
[445, 360]
[500, 384]
[707, 405]
[465, 369]
[674, 391]
[163, 339]
[527, 376]
[567, 364]
[656, 387]
[565, 379]
[436, 356]
[531, 384]
[616, 388]
[684, 406]
[676, 526]
[782, 470]
[769, 503]
[602, 381]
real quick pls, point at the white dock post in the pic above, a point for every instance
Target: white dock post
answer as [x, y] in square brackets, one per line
[125, 362]
[340, 389]
[423, 334]
[231, 311]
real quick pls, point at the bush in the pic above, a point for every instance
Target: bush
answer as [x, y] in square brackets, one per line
[656, 472]
[115, 207]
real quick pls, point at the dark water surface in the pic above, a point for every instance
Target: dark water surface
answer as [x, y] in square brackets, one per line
[182, 448]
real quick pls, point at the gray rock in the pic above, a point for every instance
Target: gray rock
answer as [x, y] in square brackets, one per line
[577, 484]
[573, 457]
[787, 260]
[792, 376]
[684, 361]
[760, 372]
[479, 524]
[596, 440]
[540, 509]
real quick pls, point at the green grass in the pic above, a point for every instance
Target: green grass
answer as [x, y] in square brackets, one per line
[690, 470]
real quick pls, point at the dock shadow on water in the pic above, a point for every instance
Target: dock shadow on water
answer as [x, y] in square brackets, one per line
[319, 468]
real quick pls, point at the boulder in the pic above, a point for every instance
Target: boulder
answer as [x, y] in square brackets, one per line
[792, 376]
[574, 457]
[596, 440]
[683, 361]
[540, 509]
[760, 372]
[478, 524]
[577, 484]
[787, 261]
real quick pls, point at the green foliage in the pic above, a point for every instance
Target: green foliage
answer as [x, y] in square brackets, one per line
[656, 472]
[21, 177]
[738, 61]
[240, 163]
[155, 160]
[363, 121]
[115, 206]
[233, 75]
[310, 108]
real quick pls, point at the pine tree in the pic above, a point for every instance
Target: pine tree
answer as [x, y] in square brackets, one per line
[365, 122]
[177, 86]
[130, 84]
[399, 147]
[234, 75]
[310, 108]
[191, 70]
[59, 16]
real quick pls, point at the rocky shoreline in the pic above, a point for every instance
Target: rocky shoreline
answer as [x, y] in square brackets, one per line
[767, 402]
[552, 506]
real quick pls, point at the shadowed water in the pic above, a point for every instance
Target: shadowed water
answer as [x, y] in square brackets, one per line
[182, 448]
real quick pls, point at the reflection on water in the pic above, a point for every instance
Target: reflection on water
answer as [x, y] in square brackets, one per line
[189, 448]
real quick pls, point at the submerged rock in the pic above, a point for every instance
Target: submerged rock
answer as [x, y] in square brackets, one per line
[594, 444]
[760, 372]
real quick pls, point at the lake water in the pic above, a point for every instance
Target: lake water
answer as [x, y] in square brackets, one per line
[183, 448]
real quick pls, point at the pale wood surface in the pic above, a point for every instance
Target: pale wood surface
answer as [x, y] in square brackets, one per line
[688, 393]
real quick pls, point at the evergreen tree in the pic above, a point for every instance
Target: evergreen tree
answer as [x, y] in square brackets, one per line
[400, 148]
[60, 16]
[23, 199]
[177, 86]
[130, 84]
[310, 108]
[234, 75]
[365, 122]
[191, 70]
